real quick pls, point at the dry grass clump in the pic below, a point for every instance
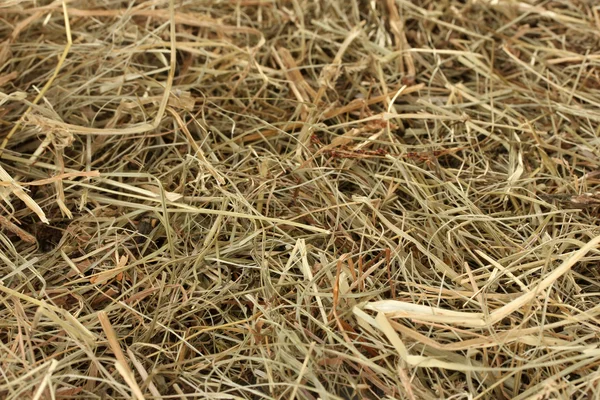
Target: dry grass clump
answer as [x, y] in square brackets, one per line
[271, 199]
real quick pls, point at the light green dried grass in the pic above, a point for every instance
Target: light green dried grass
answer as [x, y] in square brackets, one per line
[305, 200]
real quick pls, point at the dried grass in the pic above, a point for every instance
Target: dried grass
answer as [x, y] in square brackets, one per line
[294, 199]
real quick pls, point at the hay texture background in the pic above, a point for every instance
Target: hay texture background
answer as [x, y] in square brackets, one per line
[299, 199]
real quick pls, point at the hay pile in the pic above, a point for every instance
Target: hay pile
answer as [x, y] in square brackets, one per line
[279, 199]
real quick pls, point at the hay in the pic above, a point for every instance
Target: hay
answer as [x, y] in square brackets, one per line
[264, 199]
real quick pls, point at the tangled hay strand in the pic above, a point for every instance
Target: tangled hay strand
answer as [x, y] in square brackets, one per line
[256, 199]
